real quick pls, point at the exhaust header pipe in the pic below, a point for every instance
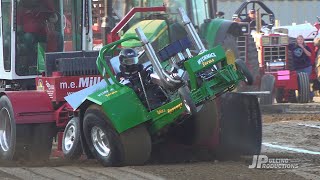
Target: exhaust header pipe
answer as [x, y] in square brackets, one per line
[191, 31]
[165, 79]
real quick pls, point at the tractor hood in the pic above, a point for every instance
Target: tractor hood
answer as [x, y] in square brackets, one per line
[152, 29]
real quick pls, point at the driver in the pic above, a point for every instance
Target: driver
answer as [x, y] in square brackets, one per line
[317, 50]
[251, 18]
[129, 66]
[31, 20]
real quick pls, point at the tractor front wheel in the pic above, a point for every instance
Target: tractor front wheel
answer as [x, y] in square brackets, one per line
[241, 66]
[71, 143]
[304, 88]
[132, 147]
[267, 84]
[184, 93]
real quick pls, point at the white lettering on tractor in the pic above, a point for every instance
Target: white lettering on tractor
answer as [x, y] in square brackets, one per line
[206, 57]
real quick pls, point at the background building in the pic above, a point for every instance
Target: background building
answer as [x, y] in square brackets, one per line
[287, 11]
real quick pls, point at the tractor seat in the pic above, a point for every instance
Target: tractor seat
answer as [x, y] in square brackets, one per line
[174, 48]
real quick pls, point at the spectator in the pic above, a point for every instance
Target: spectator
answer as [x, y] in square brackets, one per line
[32, 18]
[172, 5]
[317, 50]
[220, 14]
[251, 18]
[301, 58]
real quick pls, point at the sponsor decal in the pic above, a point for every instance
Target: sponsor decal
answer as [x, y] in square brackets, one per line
[40, 85]
[264, 162]
[161, 111]
[49, 86]
[175, 108]
[207, 59]
[111, 93]
[83, 82]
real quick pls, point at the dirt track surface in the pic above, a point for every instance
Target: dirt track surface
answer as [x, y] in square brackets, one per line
[280, 133]
[271, 118]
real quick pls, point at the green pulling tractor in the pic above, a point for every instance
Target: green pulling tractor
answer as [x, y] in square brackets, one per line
[182, 94]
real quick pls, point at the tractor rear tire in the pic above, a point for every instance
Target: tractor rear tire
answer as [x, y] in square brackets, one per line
[303, 88]
[198, 128]
[132, 147]
[7, 129]
[229, 45]
[240, 126]
[252, 63]
[31, 142]
[241, 66]
[41, 142]
[280, 92]
[267, 84]
[137, 145]
[253, 60]
[71, 141]
[202, 124]
[34, 142]
[292, 96]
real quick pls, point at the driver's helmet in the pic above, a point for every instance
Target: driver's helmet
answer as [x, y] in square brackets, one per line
[128, 56]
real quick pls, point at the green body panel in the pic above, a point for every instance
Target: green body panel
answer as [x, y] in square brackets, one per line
[209, 30]
[121, 105]
[205, 60]
[155, 30]
[165, 115]
[125, 110]
[223, 79]
[226, 79]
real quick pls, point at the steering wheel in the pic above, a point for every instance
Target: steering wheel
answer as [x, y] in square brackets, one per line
[251, 23]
